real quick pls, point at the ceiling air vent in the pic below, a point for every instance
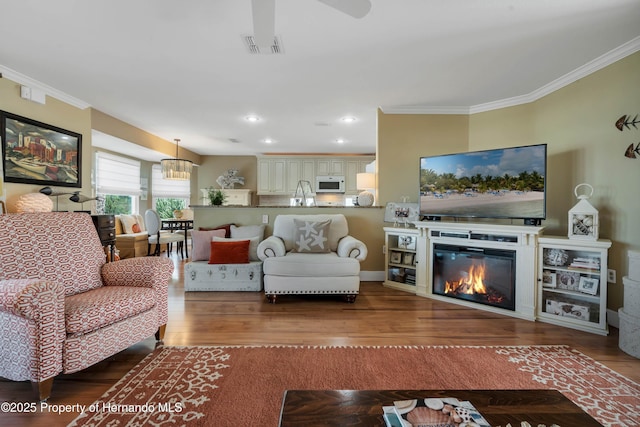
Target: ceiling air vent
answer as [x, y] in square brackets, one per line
[234, 140]
[275, 48]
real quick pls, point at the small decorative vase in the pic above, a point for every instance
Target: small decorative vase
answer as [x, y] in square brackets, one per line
[177, 214]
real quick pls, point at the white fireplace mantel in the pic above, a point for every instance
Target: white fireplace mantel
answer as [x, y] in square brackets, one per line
[521, 239]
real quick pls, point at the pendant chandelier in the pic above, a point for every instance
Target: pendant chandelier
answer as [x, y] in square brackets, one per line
[177, 169]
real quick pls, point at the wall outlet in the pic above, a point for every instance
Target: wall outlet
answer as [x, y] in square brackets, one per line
[265, 219]
[611, 276]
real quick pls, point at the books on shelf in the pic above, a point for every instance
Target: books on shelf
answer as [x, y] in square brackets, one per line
[432, 412]
[410, 277]
[585, 263]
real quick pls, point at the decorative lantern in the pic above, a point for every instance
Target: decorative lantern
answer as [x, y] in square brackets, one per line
[583, 218]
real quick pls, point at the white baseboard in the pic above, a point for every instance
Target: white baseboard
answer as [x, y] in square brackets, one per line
[372, 276]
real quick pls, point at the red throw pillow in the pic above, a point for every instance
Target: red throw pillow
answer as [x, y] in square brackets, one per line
[236, 252]
[136, 228]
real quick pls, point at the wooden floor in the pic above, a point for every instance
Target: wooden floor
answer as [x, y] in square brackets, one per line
[380, 316]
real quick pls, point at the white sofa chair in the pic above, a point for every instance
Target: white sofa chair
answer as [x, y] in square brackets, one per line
[311, 254]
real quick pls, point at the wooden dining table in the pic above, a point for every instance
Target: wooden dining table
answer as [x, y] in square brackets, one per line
[179, 225]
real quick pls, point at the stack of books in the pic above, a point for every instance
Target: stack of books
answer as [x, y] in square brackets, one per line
[585, 263]
[410, 277]
[432, 412]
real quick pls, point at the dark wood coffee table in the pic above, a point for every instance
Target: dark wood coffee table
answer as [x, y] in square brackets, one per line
[364, 407]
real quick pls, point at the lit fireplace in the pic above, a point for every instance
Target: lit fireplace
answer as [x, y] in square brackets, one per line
[485, 276]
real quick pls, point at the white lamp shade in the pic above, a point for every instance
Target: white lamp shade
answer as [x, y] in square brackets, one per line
[366, 181]
[34, 202]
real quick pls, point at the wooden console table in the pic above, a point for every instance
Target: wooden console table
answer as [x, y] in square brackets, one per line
[364, 407]
[106, 228]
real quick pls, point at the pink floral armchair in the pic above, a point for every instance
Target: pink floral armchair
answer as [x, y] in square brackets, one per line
[62, 309]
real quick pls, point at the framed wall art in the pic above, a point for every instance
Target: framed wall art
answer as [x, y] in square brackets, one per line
[37, 153]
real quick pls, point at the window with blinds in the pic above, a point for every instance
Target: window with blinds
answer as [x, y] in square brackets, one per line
[168, 195]
[118, 183]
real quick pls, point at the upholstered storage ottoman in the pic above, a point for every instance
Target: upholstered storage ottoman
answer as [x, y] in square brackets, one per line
[202, 276]
[634, 265]
[629, 339]
[631, 296]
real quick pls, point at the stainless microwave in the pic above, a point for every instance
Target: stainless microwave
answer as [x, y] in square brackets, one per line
[330, 184]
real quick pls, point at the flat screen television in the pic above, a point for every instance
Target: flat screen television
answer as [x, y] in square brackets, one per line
[500, 183]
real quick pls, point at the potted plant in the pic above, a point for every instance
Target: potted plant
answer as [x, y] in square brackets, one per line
[216, 196]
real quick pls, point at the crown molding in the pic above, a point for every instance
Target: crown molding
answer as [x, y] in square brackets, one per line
[48, 90]
[423, 109]
[590, 67]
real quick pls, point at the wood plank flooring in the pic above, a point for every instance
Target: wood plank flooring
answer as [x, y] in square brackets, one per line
[380, 316]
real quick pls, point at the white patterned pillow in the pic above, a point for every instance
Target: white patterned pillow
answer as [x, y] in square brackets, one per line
[247, 231]
[311, 236]
[131, 224]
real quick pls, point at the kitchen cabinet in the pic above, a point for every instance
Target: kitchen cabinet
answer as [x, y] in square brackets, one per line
[326, 167]
[272, 176]
[353, 168]
[297, 170]
[240, 197]
[279, 176]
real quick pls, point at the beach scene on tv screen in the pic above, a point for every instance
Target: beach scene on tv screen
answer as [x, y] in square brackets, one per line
[506, 183]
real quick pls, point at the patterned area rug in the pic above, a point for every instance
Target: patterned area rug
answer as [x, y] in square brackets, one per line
[244, 386]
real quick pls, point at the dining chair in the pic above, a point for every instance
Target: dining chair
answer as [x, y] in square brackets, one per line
[158, 237]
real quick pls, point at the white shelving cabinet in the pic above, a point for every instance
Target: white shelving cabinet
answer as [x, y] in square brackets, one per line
[572, 283]
[401, 258]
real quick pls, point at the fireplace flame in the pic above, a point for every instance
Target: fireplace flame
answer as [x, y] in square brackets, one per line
[471, 282]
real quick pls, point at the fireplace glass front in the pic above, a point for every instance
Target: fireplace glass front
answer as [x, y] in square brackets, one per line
[481, 275]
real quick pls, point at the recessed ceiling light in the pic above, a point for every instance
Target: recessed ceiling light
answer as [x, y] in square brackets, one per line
[348, 119]
[268, 141]
[340, 141]
[252, 118]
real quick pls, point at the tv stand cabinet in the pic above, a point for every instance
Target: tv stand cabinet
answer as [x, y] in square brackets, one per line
[531, 248]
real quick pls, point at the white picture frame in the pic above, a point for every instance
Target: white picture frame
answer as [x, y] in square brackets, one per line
[549, 279]
[397, 212]
[588, 285]
[407, 259]
[407, 241]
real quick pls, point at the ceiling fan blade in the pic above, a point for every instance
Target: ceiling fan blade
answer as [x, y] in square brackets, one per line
[355, 8]
[264, 17]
